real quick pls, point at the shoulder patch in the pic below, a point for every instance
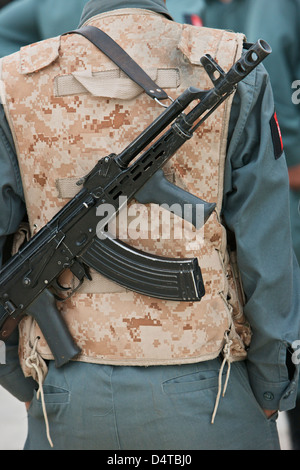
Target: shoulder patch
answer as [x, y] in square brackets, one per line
[276, 136]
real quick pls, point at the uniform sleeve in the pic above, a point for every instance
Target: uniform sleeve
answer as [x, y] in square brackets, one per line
[256, 210]
[11, 214]
[283, 65]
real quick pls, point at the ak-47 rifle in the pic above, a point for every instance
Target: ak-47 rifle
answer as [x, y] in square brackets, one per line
[69, 240]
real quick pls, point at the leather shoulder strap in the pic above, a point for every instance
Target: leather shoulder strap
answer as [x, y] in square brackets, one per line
[112, 50]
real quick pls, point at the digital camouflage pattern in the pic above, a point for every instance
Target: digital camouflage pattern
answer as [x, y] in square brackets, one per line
[64, 119]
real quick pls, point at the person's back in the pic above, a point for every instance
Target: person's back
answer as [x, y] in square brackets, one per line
[153, 366]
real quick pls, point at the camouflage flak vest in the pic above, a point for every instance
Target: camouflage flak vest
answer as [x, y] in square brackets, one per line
[68, 105]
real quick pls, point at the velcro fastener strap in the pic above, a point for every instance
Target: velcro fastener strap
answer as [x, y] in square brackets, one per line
[120, 57]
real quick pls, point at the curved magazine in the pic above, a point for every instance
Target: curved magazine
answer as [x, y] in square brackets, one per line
[155, 276]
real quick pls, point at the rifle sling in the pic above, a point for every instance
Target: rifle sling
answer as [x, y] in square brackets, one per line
[112, 50]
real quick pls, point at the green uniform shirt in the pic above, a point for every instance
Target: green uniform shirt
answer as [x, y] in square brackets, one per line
[255, 209]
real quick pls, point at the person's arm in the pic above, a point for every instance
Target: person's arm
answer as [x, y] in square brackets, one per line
[12, 212]
[283, 65]
[256, 210]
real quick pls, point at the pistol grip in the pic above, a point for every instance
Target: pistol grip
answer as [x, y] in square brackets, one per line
[160, 191]
[53, 327]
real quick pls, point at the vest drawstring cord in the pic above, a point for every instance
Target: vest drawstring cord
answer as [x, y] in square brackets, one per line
[226, 354]
[33, 362]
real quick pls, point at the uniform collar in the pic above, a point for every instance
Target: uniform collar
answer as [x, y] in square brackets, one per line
[97, 7]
